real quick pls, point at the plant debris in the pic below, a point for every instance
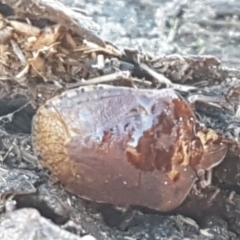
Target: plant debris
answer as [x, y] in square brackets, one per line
[47, 48]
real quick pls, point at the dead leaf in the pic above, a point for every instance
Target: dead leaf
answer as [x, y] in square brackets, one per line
[48, 36]
[24, 28]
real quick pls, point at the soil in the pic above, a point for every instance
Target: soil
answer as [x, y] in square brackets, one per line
[40, 209]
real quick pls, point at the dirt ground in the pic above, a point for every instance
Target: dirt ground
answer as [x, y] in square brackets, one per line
[207, 27]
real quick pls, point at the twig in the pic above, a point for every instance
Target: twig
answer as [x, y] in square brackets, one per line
[7, 153]
[28, 157]
[173, 32]
[121, 75]
[18, 51]
[159, 77]
[163, 80]
[213, 100]
[10, 115]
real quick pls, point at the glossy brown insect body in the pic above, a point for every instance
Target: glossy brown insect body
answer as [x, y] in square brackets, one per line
[125, 146]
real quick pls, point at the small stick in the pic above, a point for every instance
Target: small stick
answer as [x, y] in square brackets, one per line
[163, 80]
[125, 75]
[159, 77]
